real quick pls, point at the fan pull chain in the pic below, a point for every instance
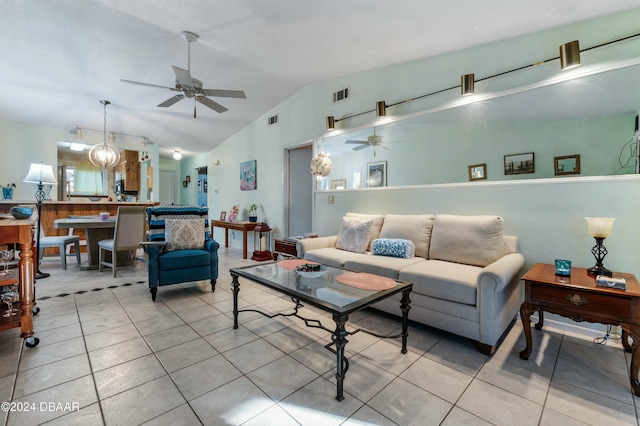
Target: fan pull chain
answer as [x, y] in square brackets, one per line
[194, 107]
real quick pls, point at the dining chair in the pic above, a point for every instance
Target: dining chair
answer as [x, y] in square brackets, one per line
[128, 233]
[61, 242]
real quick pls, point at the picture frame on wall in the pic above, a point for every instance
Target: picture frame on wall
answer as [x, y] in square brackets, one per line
[377, 174]
[248, 176]
[516, 164]
[199, 185]
[356, 178]
[205, 185]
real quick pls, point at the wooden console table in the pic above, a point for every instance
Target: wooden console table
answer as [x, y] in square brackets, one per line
[20, 231]
[580, 299]
[244, 227]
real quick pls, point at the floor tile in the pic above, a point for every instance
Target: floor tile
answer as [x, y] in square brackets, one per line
[440, 380]
[51, 374]
[127, 375]
[118, 353]
[281, 377]
[185, 354]
[253, 355]
[204, 376]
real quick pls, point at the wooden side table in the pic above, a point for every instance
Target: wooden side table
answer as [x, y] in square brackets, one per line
[579, 298]
[243, 227]
[285, 247]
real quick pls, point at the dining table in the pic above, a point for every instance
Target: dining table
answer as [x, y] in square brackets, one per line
[95, 230]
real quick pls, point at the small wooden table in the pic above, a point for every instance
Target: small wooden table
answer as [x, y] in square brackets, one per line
[580, 299]
[244, 227]
[95, 230]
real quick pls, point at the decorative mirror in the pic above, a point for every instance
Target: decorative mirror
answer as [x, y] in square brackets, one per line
[478, 172]
[567, 165]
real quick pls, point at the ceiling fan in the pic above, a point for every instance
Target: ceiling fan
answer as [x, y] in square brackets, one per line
[373, 141]
[190, 87]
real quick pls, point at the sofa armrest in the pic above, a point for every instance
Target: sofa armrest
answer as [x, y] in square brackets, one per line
[306, 244]
[501, 272]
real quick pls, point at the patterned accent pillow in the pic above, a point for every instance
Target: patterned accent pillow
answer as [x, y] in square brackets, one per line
[184, 234]
[393, 247]
[354, 234]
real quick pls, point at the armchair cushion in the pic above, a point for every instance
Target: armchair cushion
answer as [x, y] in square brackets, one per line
[184, 234]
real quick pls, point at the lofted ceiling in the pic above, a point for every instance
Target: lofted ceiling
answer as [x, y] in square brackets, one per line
[60, 58]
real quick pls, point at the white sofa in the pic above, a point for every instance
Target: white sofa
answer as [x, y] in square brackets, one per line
[465, 272]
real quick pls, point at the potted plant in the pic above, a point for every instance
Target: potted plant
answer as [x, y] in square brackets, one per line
[253, 213]
[7, 191]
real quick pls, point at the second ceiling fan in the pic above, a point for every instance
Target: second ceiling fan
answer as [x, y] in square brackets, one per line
[190, 87]
[373, 141]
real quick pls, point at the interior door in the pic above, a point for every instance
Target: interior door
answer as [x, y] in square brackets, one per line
[300, 194]
[167, 187]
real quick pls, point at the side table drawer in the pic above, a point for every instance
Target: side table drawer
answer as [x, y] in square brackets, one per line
[577, 300]
[286, 247]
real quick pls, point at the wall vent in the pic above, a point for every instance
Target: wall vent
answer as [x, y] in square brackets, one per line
[341, 95]
[272, 120]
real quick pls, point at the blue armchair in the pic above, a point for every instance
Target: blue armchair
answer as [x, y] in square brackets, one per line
[168, 261]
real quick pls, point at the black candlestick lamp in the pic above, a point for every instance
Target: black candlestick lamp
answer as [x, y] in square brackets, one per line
[599, 228]
[40, 174]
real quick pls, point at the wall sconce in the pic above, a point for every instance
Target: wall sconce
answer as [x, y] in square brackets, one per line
[331, 122]
[467, 84]
[570, 55]
[381, 109]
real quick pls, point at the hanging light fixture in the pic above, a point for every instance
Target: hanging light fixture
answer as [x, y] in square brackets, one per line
[104, 156]
[570, 55]
[177, 155]
[467, 83]
[331, 122]
[381, 109]
[321, 164]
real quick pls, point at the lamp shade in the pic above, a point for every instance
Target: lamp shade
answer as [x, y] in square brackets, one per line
[600, 227]
[40, 173]
[321, 165]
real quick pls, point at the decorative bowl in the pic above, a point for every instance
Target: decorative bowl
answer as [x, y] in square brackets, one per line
[21, 212]
[311, 270]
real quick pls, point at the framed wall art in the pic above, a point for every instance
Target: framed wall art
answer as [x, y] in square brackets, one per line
[377, 174]
[356, 178]
[248, 175]
[338, 184]
[516, 164]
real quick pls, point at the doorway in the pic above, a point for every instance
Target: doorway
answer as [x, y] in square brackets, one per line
[299, 208]
[167, 187]
[203, 185]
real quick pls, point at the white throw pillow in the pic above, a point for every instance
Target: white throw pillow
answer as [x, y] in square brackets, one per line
[354, 234]
[182, 234]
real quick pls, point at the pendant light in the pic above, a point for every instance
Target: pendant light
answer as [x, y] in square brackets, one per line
[105, 155]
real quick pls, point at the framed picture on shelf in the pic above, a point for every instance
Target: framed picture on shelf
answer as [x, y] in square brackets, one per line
[356, 178]
[516, 164]
[377, 174]
[566, 165]
[338, 184]
[248, 176]
[478, 172]
[223, 215]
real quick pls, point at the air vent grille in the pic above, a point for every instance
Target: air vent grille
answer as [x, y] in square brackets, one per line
[272, 120]
[341, 95]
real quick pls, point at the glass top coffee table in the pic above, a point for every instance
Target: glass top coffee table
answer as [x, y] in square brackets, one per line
[326, 292]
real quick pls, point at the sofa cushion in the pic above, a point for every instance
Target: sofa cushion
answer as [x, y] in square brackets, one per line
[182, 234]
[393, 247]
[332, 256]
[375, 227]
[414, 227]
[444, 280]
[472, 240]
[354, 234]
[380, 265]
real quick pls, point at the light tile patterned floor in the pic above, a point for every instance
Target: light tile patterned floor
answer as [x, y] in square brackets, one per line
[125, 360]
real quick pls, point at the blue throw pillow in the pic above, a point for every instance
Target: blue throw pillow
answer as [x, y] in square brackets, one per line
[393, 247]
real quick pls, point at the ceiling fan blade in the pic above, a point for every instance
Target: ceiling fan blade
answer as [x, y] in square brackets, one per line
[171, 101]
[225, 93]
[147, 84]
[211, 104]
[382, 146]
[361, 142]
[183, 76]
[358, 148]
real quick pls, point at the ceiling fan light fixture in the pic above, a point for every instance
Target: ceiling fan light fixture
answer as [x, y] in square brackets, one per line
[331, 122]
[177, 155]
[104, 155]
[381, 109]
[570, 55]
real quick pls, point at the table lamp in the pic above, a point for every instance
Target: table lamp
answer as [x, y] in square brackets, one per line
[40, 174]
[599, 228]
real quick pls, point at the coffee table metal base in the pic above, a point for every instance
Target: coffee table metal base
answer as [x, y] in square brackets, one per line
[338, 335]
